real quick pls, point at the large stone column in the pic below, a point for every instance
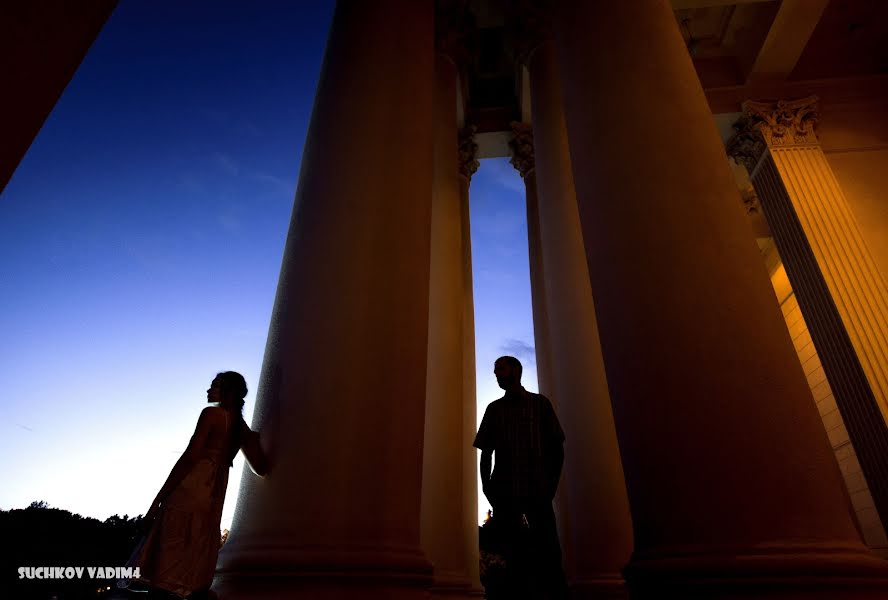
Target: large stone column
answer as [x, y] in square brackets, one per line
[447, 519]
[840, 290]
[522, 159]
[732, 485]
[42, 44]
[341, 401]
[468, 164]
[595, 503]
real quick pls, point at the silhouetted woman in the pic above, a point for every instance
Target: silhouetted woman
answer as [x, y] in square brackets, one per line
[180, 549]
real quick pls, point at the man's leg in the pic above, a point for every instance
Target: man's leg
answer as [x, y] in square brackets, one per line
[508, 514]
[548, 552]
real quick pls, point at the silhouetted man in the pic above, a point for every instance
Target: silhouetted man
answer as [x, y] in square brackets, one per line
[523, 430]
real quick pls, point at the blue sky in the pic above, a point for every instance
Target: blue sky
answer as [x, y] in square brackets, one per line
[141, 239]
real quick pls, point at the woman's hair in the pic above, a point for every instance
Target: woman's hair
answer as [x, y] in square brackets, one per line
[233, 383]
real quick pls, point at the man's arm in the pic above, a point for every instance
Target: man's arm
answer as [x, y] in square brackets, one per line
[554, 464]
[553, 448]
[486, 456]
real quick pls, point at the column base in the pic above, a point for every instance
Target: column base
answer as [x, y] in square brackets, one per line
[605, 587]
[442, 593]
[454, 587]
[774, 571]
[270, 572]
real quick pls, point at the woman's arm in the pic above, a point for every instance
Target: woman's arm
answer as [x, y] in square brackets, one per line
[254, 453]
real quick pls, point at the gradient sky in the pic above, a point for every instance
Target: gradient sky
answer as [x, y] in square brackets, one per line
[141, 239]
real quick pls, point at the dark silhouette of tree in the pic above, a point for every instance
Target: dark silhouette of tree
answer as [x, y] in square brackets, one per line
[41, 536]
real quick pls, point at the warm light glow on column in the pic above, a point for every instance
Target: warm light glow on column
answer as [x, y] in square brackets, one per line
[592, 501]
[704, 381]
[341, 401]
[840, 290]
[523, 160]
[448, 491]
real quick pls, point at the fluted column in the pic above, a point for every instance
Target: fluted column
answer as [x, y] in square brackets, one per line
[448, 520]
[840, 290]
[595, 504]
[522, 159]
[468, 164]
[341, 400]
[732, 485]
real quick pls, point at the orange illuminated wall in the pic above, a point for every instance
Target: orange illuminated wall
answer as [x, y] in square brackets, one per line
[864, 508]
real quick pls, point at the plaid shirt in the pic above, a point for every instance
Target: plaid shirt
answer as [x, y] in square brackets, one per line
[520, 428]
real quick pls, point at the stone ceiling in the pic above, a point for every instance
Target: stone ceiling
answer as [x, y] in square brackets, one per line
[736, 45]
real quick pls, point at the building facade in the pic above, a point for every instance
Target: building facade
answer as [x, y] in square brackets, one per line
[708, 231]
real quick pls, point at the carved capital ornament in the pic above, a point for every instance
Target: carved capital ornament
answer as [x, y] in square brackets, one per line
[521, 145]
[467, 152]
[773, 125]
[750, 199]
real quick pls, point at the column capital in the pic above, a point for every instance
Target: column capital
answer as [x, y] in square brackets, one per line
[530, 24]
[454, 31]
[751, 203]
[773, 124]
[521, 145]
[467, 150]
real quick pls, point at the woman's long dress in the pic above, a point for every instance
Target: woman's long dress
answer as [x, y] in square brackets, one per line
[180, 550]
